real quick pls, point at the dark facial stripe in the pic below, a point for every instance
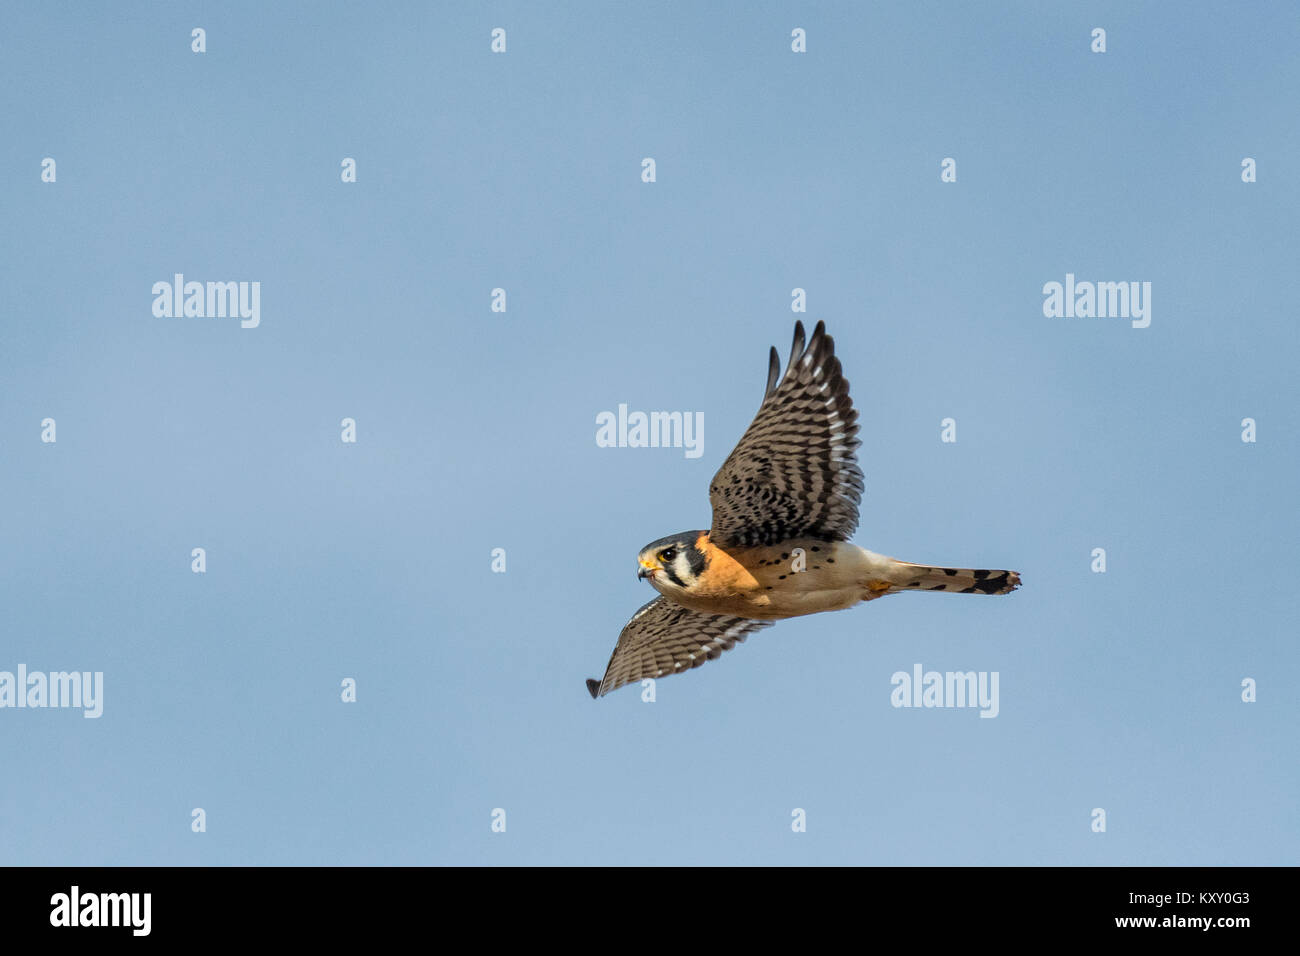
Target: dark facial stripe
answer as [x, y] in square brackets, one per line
[696, 559]
[672, 575]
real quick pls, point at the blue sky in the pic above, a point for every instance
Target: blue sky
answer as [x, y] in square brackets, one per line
[476, 430]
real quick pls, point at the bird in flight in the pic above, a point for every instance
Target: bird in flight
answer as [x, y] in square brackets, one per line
[785, 503]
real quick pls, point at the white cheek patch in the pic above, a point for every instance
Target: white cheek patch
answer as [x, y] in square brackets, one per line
[672, 573]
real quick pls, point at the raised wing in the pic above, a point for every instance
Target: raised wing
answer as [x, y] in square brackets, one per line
[795, 472]
[665, 638]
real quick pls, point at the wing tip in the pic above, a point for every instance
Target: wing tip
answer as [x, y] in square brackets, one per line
[593, 687]
[817, 343]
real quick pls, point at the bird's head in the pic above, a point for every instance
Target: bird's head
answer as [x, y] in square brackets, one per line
[674, 563]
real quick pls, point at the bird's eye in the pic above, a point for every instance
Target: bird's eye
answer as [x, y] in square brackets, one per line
[667, 554]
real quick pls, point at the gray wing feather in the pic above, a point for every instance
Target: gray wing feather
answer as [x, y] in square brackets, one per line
[664, 638]
[794, 473]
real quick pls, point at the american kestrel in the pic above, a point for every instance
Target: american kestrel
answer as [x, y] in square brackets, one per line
[785, 503]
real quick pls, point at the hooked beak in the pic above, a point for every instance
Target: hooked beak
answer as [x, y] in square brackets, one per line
[646, 570]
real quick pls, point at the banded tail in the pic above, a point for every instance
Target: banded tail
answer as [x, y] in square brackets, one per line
[922, 577]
